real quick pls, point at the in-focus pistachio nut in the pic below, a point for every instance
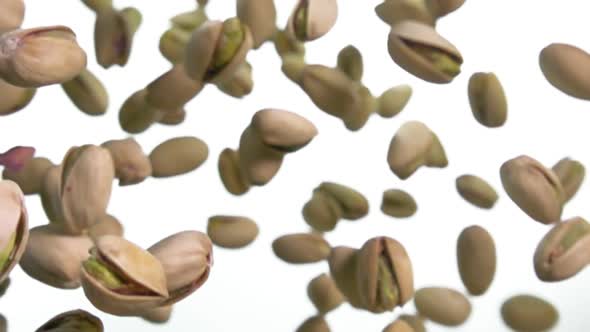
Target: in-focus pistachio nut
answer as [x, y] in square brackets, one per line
[476, 191]
[187, 258]
[260, 16]
[398, 326]
[440, 8]
[529, 313]
[172, 90]
[563, 66]
[232, 231]
[258, 162]
[393, 101]
[131, 164]
[441, 305]
[314, 324]
[322, 211]
[16, 157]
[75, 320]
[283, 130]
[107, 225]
[312, 19]
[14, 229]
[571, 174]
[136, 115]
[87, 93]
[173, 42]
[398, 203]
[350, 61]
[421, 51]
[240, 84]
[324, 294]
[353, 205]
[22, 64]
[229, 172]
[113, 35]
[12, 14]
[343, 269]
[396, 11]
[415, 321]
[487, 99]
[476, 259]
[122, 279]
[178, 156]
[534, 188]
[301, 248]
[159, 315]
[14, 98]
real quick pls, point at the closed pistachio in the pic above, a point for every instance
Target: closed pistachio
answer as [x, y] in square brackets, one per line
[343, 263]
[113, 35]
[70, 321]
[51, 195]
[22, 64]
[178, 156]
[232, 231]
[158, 315]
[286, 44]
[476, 258]
[136, 115]
[259, 163]
[191, 20]
[350, 61]
[131, 164]
[415, 321]
[487, 99]
[87, 93]
[12, 14]
[283, 130]
[172, 90]
[173, 118]
[351, 202]
[440, 8]
[312, 19]
[98, 5]
[396, 11]
[393, 101]
[421, 51]
[444, 306]
[173, 42]
[301, 248]
[14, 229]
[476, 191]
[534, 188]
[14, 98]
[529, 313]
[229, 172]
[398, 326]
[324, 294]
[260, 16]
[107, 225]
[322, 211]
[240, 84]
[398, 203]
[561, 64]
[314, 324]
[571, 174]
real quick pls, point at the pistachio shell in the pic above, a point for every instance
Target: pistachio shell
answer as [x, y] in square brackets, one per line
[529, 313]
[292, 66]
[441, 8]
[350, 61]
[286, 44]
[14, 230]
[113, 35]
[322, 212]
[12, 14]
[487, 99]
[324, 294]
[131, 164]
[314, 324]
[259, 163]
[3, 324]
[191, 20]
[444, 306]
[14, 98]
[51, 195]
[87, 93]
[398, 203]
[4, 286]
[177, 156]
[343, 268]
[353, 204]
[98, 5]
[70, 321]
[232, 231]
[172, 44]
[173, 118]
[396, 11]
[415, 321]
[107, 225]
[561, 64]
[571, 174]
[320, 17]
[136, 115]
[229, 172]
[476, 191]
[394, 100]
[476, 258]
[260, 16]
[283, 130]
[398, 326]
[240, 84]
[172, 90]
[158, 315]
[301, 248]
[30, 177]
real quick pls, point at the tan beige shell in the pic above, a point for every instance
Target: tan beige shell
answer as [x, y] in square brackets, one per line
[396, 11]
[409, 148]
[476, 191]
[173, 118]
[563, 66]
[30, 177]
[15, 219]
[87, 93]
[487, 99]
[71, 321]
[321, 17]
[131, 164]
[260, 16]
[172, 90]
[343, 263]
[571, 174]
[232, 231]
[158, 315]
[441, 8]
[398, 326]
[108, 225]
[301, 248]
[113, 35]
[476, 259]
[12, 14]
[178, 156]
[314, 324]
[136, 115]
[258, 162]
[51, 196]
[14, 98]
[324, 294]
[352, 203]
[230, 174]
[444, 306]
[529, 313]
[322, 212]
[283, 130]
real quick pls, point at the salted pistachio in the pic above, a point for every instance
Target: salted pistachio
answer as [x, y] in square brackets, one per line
[384, 273]
[350, 62]
[398, 326]
[158, 315]
[87, 93]
[314, 324]
[415, 321]
[122, 279]
[191, 20]
[322, 211]
[178, 156]
[136, 115]
[441, 305]
[398, 203]
[12, 14]
[571, 174]
[22, 64]
[107, 225]
[14, 229]
[54, 258]
[86, 182]
[187, 258]
[343, 263]
[487, 99]
[260, 16]
[283, 130]
[301, 248]
[292, 66]
[173, 118]
[172, 90]
[352, 203]
[14, 98]
[229, 172]
[173, 42]
[51, 195]
[15, 158]
[4, 285]
[421, 51]
[113, 35]
[393, 101]
[287, 44]
[440, 8]
[240, 84]
[258, 162]
[232, 231]
[131, 164]
[396, 11]
[98, 5]
[562, 65]
[476, 259]
[529, 313]
[324, 294]
[476, 191]
[312, 19]
[216, 49]
[73, 321]
[534, 188]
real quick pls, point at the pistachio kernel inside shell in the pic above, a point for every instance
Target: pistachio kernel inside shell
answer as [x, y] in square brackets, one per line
[300, 22]
[7, 251]
[439, 58]
[387, 289]
[230, 41]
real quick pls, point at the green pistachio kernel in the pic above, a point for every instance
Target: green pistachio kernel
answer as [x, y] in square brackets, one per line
[5, 253]
[102, 273]
[300, 23]
[231, 39]
[388, 294]
[441, 60]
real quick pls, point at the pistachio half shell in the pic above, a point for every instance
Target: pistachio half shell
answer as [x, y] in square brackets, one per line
[353, 204]
[476, 191]
[398, 203]
[324, 294]
[14, 229]
[487, 99]
[314, 324]
[229, 172]
[172, 90]
[283, 130]
[396, 11]
[398, 326]
[343, 263]
[136, 115]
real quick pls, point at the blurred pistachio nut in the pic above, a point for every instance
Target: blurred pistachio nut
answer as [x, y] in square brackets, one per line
[107, 225]
[187, 258]
[173, 118]
[441, 305]
[51, 195]
[240, 84]
[54, 258]
[12, 14]
[113, 35]
[571, 174]
[384, 273]
[292, 66]
[356, 119]
[393, 101]
[330, 90]
[350, 61]
[70, 321]
[22, 64]
[398, 326]
[260, 16]
[229, 172]
[312, 19]
[396, 11]
[259, 163]
[476, 191]
[421, 51]
[487, 99]
[352, 203]
[343, 269]
[232, 231]
[14, 229]
[87, 93]
[131, 164]
[172, 90]
[30, 177]
[415, 321]
[122, 279]
[283, 130]
[440, 8]
[322, 211]
[301, 248]
[14, 98]
[314, 324]
[98, 5]
[398, 203]
[534, 188]
[561, 64]
[529, 313]
[178, 156]
[4, 286]
[476, 259]
[158, 315]
[324, 294]
[286, 44]
[189, 21]
[3, 324]
[136, 115]
[173, 42]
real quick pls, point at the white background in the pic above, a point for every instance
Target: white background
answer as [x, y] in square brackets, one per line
[250, 289]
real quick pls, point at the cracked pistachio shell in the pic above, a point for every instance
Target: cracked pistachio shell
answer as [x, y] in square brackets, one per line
[50, 194]
[393, 101]
[173, 42]
[476, 191]
[283, 130]
[232, 231]
[30, 177]
[178, 156]
[136, 115]
[398, 203]
[260, 16]
[86, 183]
[73, 321]
[487, 99]
[353, 204]
[396, 11]
[131, 164]
[476, 259]
[534, 188]
[301, 248]
[314, 324]
[415, 321]
[172, 90]
[422, 52]
[441, 8]
[12, 14]
[240, 84]
[384, 273]
[229, 172]
[141, 269]
[312, 19]
[107, 225]
[87, 93]
[343, 269]
[98, 5]
[398, 326]
[113, 35]
[441, 305]
[529, 313]
[322, 211]
[350, 62]
[173, 118]
[14, 98]
[40, 56]
[258, 162]
[571, 174]
[324, 294]
[191, 20]
[563, 66]
[286, 44]
[158, 315]
[54, 258]
[187, 258]
[14, 229]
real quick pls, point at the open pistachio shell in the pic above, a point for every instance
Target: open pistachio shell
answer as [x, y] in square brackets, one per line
[260, 16]
[131, 164]
[172, 90]
[312, 19]
[30, 177]
[283, 130]
[14, 98]
[396, 11]
[12, 14]
[259, 163]
[87, 93]
[14, 229]
[113, 35]
[71, 321]
[343, 263]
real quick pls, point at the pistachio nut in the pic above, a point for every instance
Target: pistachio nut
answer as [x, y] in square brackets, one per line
[487, 99]
[314, 324]
[173, 42]
[131, 164]
[202, 3]
[396, 11]
[173, 118]
[54, 258]
[22, 64]
[229, 172]
[415, 321]
[286, 44]
[15, 158]
[322, 211]
[187, 258]
[178, 156]
[70, 321]
[421, 51]
[301, 248]
[12, 14]
[232, 231]
[324, 294]
[107, 225]
[3, 324]
[113, 35]
[571, 174]
[158, 315]
[312, 19]
[87, 93]
[529, 313]
[122, 279]
[136, 115]
[14, 229]
[398, 203]
[98, 5]
[384, 273]
[561, 63]
[240, 84]
[292, 66]
[444, 306]
[343, 263]
[350, 62]
[51, 195]
[258, 162]
[476, 259]
[172, 90]
[534, 188]
[4, 286]
[191, 20]
[352, 203]
[476, 191]
[441, 8]
[283, 130]
[398, 326]
[14, 98]
[260, 16]
[393, 101]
